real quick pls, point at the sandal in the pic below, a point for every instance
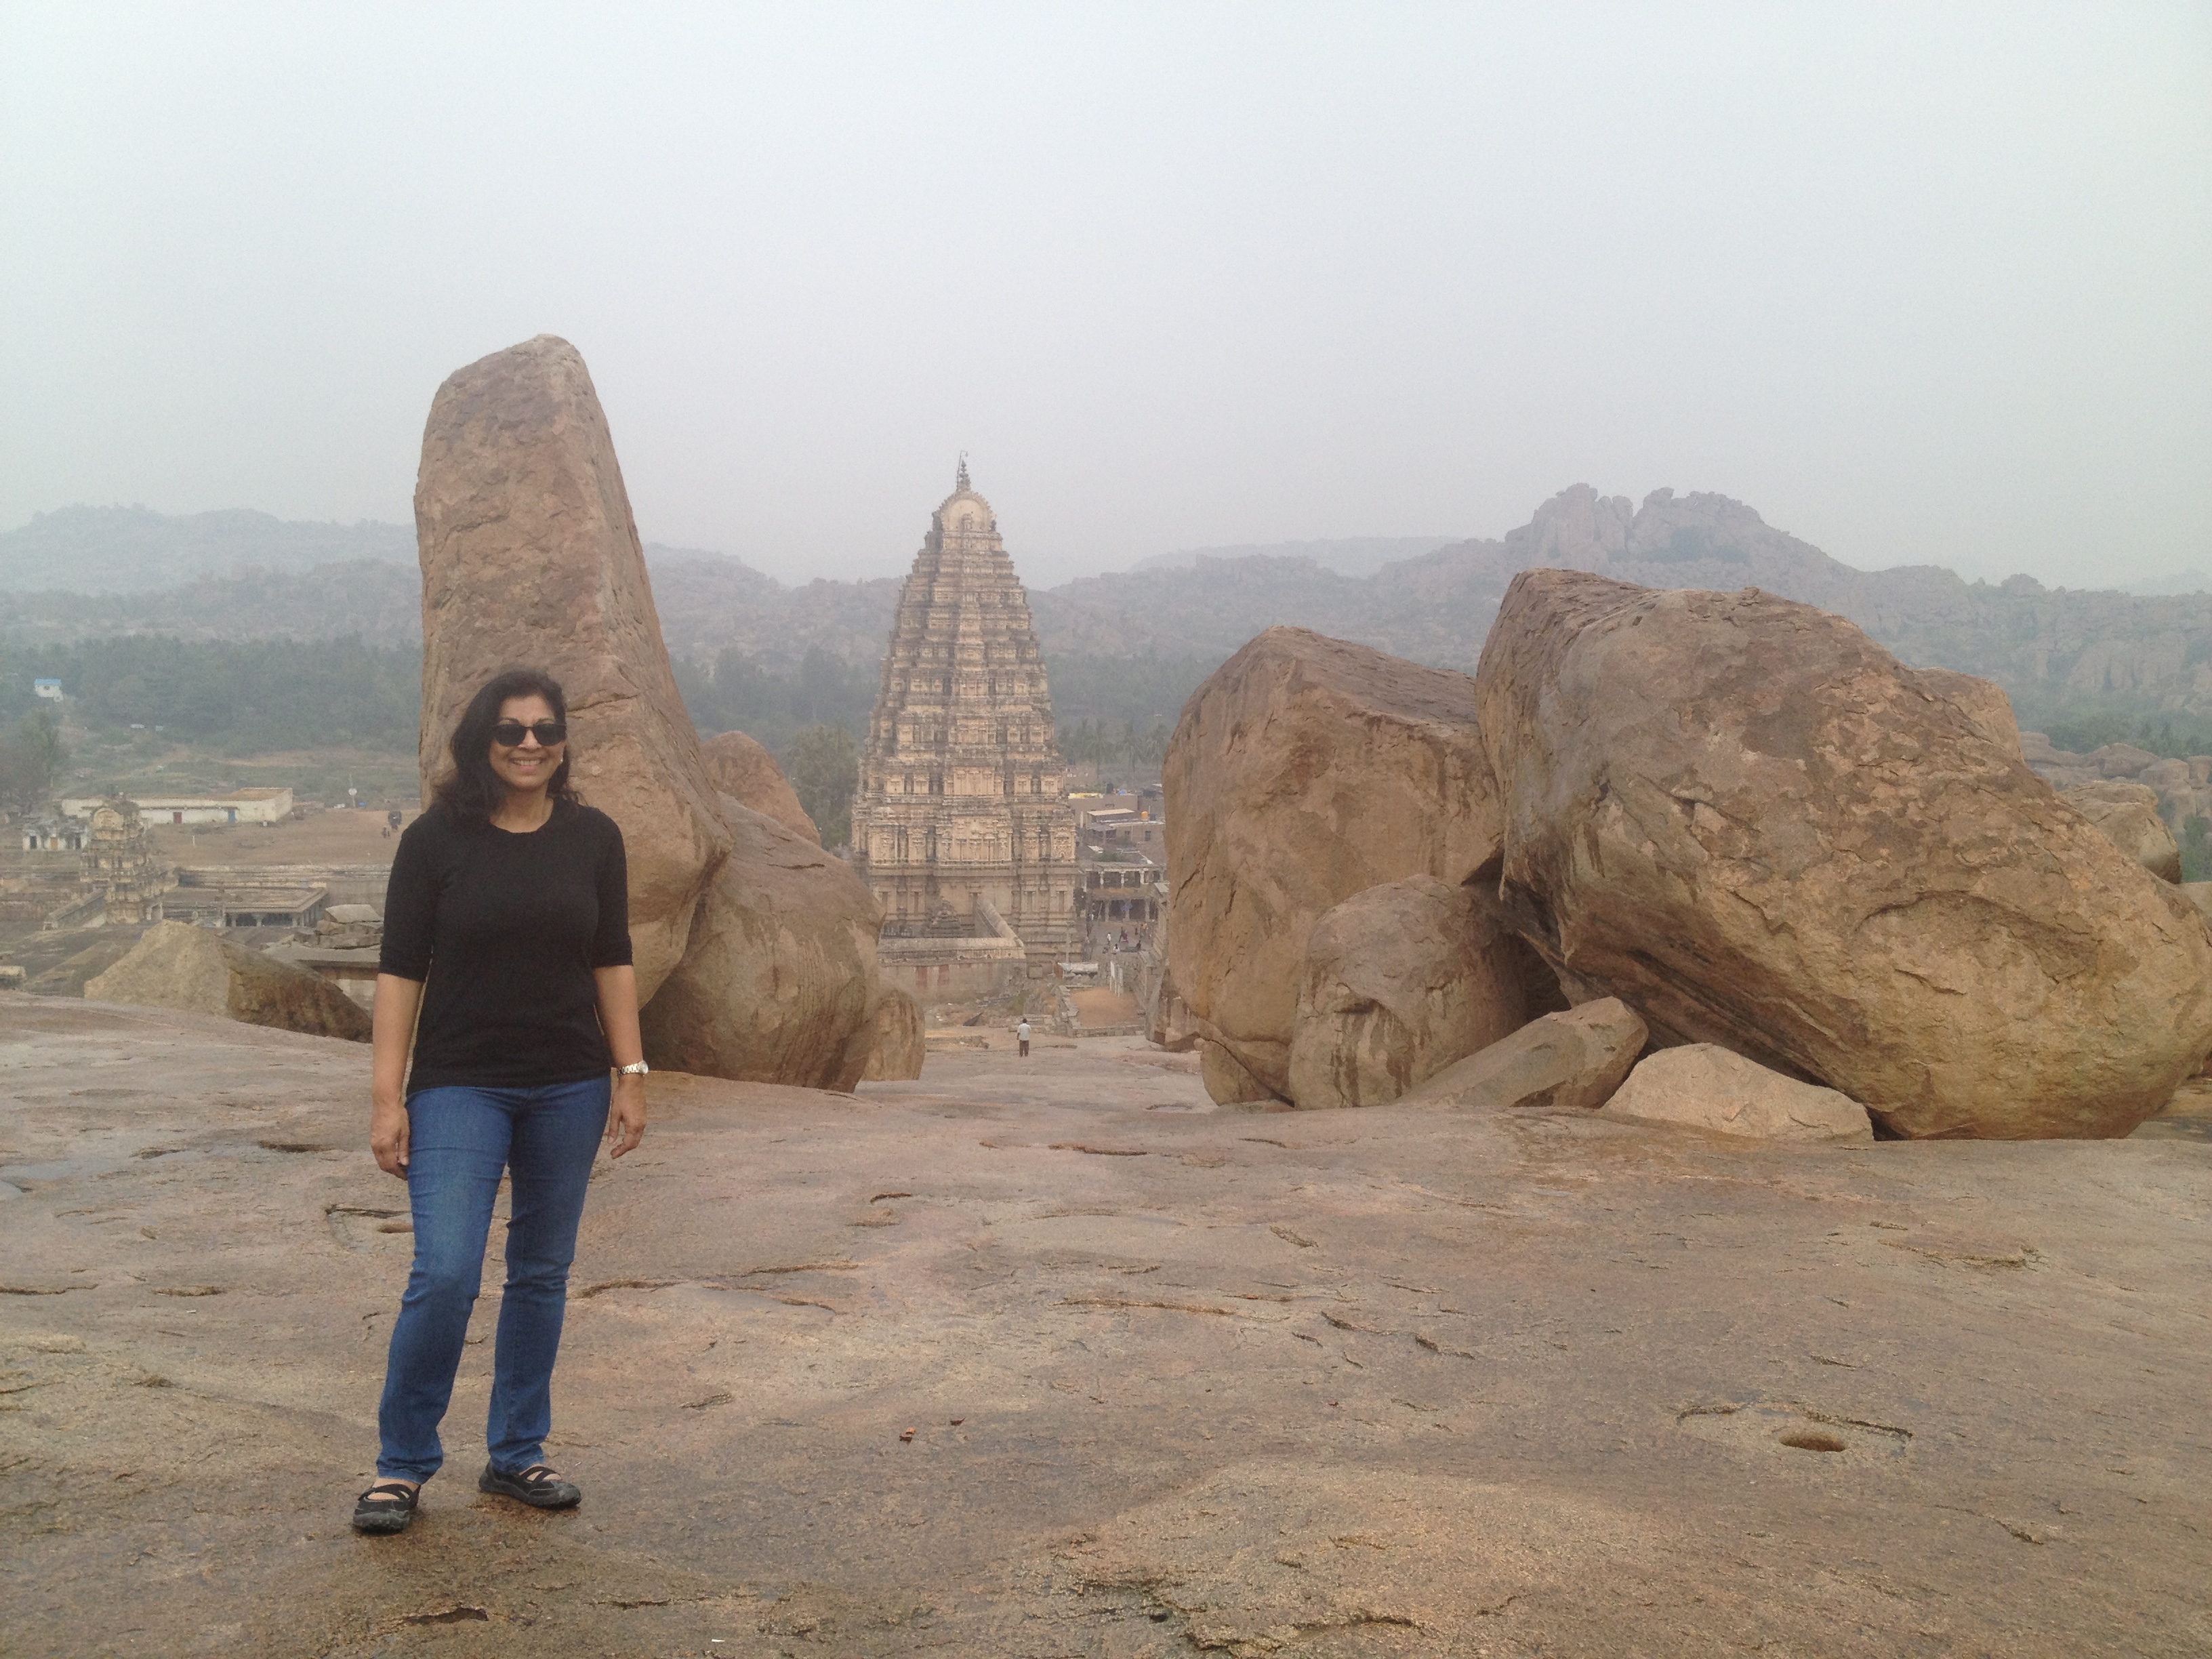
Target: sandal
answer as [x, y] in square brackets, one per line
[536, 1486]
[387, 1506]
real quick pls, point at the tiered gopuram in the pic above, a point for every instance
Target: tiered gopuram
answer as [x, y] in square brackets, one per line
[962, 818]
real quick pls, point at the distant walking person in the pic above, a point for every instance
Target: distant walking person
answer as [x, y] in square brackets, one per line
[507, 928]
[1022, 1036]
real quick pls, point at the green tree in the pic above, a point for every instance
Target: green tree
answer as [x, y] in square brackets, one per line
[823, 764]
[31, 757]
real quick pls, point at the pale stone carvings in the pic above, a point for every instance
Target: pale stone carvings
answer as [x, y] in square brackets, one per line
[962, 794]
[199, 970]
[530, 556]
[1756, 828]
[1305, 771]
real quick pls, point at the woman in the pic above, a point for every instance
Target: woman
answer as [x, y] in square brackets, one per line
[507, 928]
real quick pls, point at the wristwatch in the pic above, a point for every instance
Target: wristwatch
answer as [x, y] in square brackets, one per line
[635, 1068]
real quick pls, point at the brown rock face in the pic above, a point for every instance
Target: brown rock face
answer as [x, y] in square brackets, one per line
[1306, 770]
[1751, 824]
[2127, 813]
[778, 983]
[1701, 1086]
[743, 769]
[530, 556]
[1982, 703]
[1572, 1061]
[199, 970]
[1398, 982]
[897, 1054]
[1227, 1082]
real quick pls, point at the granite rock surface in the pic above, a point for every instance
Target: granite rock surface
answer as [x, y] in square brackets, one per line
[1329, 1385]
[1572, 1060]
[1398, 982]
[777, 982]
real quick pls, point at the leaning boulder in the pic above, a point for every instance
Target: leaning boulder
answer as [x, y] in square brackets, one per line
[201, 972]
[1568, 1061]
[1398, 982]
[1305, 770]
[742, 768]
[898, 1050]
[778, 982]
[2127, 813]
[1702, 1086]
[1755, 827]
[1227, 1082]
[530, 556]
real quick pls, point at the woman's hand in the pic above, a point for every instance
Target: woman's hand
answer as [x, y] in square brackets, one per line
[388, 1128]
[392, 1022]
[626, 1116]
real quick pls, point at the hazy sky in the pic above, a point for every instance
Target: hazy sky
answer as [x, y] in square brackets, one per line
[1919, 281]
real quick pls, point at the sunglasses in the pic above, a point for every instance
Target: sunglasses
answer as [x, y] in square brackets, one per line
[508, 734]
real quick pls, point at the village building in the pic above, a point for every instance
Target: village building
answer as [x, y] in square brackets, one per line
[48, 834]
[961, 826]
[238, 806]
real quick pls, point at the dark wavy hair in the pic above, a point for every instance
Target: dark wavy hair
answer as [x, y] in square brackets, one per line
[472, 792]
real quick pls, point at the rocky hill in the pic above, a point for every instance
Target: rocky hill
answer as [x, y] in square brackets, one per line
[2051, 649]
[132, 550]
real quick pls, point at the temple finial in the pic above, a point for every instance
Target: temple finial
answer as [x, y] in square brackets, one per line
[960, 482]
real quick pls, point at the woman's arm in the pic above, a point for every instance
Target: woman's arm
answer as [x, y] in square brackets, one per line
[618, 1020]
[392, 1024]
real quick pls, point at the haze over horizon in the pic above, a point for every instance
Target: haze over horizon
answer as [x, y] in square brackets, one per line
[1921, 288]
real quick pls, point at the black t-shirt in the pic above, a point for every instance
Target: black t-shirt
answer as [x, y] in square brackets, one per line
[504, 931]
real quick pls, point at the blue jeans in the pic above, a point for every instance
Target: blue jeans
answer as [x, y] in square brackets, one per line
[460, 1139]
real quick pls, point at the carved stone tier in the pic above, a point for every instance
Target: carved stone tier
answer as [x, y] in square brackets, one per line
[962, 793]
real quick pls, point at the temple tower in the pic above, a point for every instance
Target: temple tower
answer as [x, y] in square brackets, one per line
[961, 818]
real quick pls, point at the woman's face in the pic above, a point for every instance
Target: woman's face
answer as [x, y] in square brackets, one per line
[529, 765]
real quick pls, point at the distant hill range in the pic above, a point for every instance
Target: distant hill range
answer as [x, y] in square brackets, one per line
[233, 575]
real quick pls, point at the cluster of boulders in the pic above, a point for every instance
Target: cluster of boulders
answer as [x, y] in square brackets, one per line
[1689, 856]
[2134, 796]
[756, 949]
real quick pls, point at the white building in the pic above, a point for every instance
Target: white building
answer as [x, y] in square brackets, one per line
[240, 806]
[50, 689]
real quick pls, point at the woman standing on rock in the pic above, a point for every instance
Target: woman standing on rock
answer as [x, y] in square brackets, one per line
[507, 927]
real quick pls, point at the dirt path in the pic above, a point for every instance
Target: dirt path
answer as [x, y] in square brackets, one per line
[1179, 1381]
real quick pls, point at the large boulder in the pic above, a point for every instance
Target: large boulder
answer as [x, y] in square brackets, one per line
[1755, 827]
[778, 983]
[1982, 703]
[1702, 1086]
[1398, 982]
[898, 1050]
[2127, 813]
[1305, 770]
[199, 970]
[1227, 1082]
[742, 768]
[530, 556]
[1569, 1061]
